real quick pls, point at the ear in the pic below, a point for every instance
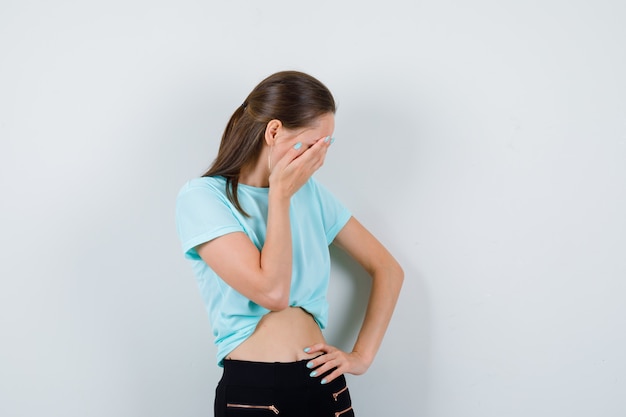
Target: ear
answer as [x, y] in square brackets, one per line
[271, 130]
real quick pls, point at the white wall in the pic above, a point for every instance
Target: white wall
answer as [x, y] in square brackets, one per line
[484, 142]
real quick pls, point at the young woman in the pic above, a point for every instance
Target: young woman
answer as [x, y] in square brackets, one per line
[257, 227]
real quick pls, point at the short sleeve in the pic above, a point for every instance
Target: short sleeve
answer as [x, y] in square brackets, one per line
[334, 214]
[202, 214]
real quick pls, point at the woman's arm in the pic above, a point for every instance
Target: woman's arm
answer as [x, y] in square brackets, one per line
[261, 276]
[387, 277]
[265, 276]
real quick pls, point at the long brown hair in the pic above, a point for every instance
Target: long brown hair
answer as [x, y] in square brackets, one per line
[295, 98]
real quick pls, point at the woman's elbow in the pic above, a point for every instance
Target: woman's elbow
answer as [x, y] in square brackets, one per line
[275, 300]
[390, 274]
[277, 305]
[398, 273]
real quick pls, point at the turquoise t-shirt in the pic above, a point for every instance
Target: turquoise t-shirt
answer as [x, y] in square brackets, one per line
[203, 213]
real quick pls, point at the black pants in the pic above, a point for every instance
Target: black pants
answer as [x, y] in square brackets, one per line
[255, 389]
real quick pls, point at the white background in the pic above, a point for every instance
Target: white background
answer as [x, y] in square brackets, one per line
[483, 142]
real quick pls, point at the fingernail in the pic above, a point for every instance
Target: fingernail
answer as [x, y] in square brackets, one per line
[297, 145]
[323, 381]
[326, 139]
[307, 350]
[313, 373]
[332, 140]
[309, 365]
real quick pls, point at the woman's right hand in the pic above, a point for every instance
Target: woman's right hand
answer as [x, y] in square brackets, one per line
[295, 168]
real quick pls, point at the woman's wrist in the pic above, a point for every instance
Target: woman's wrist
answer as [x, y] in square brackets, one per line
[366, 358]
[278, 196]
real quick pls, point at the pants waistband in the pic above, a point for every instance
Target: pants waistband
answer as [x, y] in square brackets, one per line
[265, 374]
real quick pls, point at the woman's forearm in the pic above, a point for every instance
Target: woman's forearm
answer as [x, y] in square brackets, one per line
[386, 284]
[276, 254]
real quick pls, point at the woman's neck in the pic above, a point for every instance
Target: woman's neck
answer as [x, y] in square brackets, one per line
[256, 174]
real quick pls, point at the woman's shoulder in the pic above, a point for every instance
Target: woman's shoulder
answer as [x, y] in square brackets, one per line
[311, 185]
[315, 187]
[204, 183]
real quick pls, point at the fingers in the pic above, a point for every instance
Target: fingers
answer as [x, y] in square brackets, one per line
[297, 165]
[327, 367]
[319, 347]
[332, 363]
[312, 156]
[315, 156]
[293, 153]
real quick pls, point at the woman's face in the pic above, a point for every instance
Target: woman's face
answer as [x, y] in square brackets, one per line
[287, 138]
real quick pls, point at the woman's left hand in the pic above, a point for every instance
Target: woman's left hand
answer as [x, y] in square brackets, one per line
[344, 362]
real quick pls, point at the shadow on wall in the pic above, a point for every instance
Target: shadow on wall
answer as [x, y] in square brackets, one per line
[348, 300]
